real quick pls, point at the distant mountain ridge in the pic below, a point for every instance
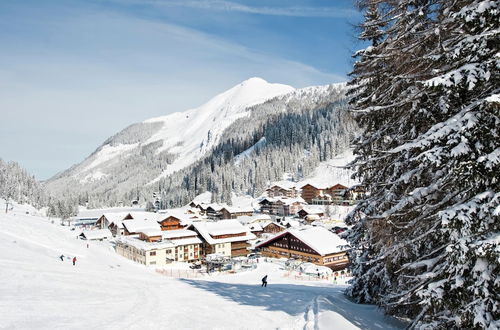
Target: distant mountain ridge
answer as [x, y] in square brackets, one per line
[152, 155]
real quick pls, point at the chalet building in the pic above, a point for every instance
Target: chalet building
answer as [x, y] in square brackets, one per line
[257, 218]
[255, 229]
[281, 206]
[283, 189]
[132, 227]
[187, 244]
[116, 228]
[152, 235]
[310, 192]
[229, 212]
[213, 211]
[323, 195]
[107, 219]
[273, 228]
[310, 210]
[114, 221]
[267, 206]
[170, 222]
[225, 237]
[312, 244]
[147, 249]
[338, 193]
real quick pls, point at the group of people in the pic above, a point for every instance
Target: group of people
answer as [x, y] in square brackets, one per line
[62, 259]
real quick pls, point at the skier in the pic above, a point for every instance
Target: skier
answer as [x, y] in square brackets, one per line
[264, 281]
[74, 261]
[62, 257]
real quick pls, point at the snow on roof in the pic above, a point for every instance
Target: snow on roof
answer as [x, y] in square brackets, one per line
[203, 198]
[288, 185]
[145, 216]
[180, 214]
[216, 207]
[246, 219]
[222, 227]
[168, 234]
[96, 234]
[235, 209]
[152, 232]
[115, 217]
[136, 226]
[319, 239]
[134, 241]
[313, 209]
[254, 227]
[186, 241]
[289, 201]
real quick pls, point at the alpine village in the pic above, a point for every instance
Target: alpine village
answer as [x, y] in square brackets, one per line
[250, 164]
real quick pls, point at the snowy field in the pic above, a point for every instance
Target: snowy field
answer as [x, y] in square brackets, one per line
[106, 291]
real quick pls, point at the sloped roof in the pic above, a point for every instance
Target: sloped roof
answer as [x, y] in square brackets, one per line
[115, 217]
[313, 209]
[136, 226]
[222, 227]
[233, 209]
[246, 219]
[168, 234]
[254, 227]
[134, 241]
[319, 239]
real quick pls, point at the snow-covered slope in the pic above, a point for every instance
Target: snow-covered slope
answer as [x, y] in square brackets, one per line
[105, 291]
[180, 138]
[192, 133]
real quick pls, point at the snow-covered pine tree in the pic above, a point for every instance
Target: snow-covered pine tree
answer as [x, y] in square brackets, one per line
[427, 242]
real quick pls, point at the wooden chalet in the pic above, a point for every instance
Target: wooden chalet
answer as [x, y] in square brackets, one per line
[310, 192]
[235, 212]
[316, 244]
[170, 223]
[311, 210]
[273, 228]
[151, 235]
[284, 190]
[107, 219]
[225, 237]
[136, 226]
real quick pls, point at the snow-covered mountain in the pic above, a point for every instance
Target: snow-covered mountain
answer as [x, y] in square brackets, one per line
[184, 136]
[160, 153]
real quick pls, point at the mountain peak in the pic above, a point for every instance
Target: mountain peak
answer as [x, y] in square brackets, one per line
[254, 80]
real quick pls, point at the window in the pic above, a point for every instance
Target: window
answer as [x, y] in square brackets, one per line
[152, 253]
[152, 263]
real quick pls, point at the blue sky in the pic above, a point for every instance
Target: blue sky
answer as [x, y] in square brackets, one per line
[73, 73]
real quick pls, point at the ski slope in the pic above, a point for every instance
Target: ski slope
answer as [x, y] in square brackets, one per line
[106, 291]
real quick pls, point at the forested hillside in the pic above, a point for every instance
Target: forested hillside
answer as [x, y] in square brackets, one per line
[16, 184]
[282, 136]
[288, 133]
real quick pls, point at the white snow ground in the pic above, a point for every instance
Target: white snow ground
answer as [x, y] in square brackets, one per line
[106, 291]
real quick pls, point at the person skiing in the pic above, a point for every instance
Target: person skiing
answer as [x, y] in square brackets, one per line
[62, 257]
[264, 281]
[74, 261]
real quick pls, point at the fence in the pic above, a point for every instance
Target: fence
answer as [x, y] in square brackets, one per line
[181, 273]
[335, 279]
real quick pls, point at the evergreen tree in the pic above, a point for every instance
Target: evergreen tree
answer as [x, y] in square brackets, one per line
[426, 240]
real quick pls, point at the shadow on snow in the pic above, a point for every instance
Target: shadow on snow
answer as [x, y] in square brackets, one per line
[295, 299]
